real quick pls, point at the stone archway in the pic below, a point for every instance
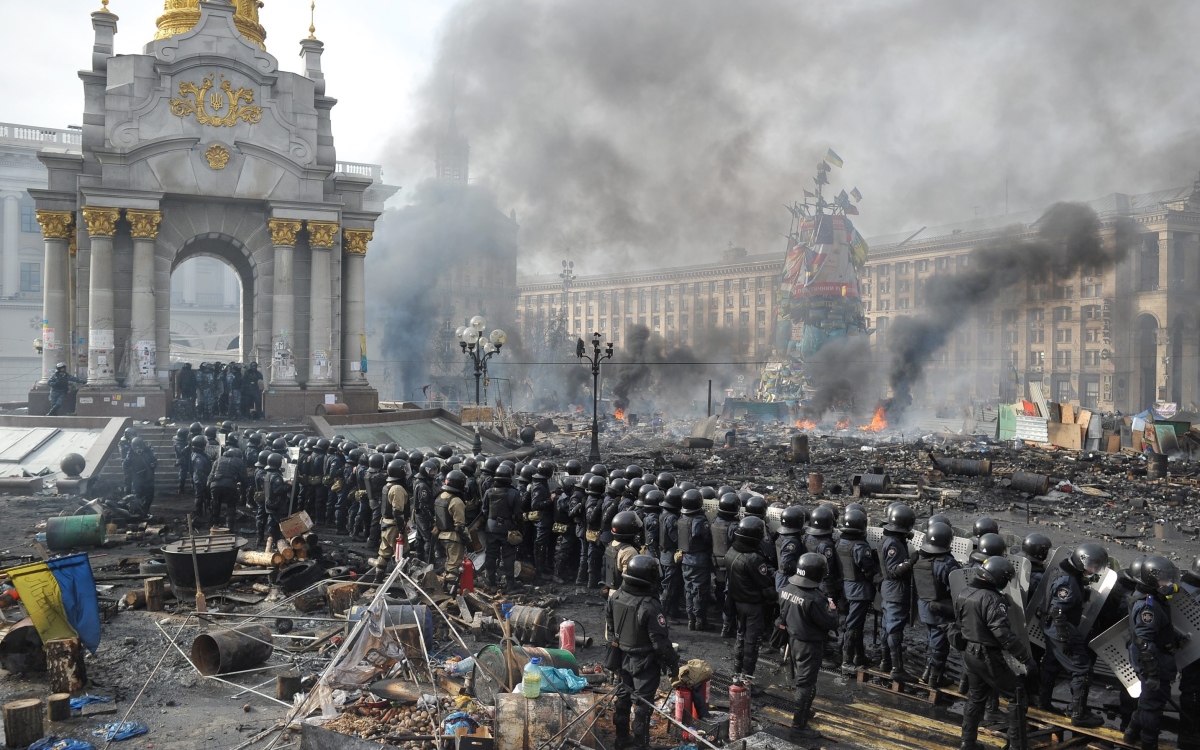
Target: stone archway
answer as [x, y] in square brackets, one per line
[232, 252]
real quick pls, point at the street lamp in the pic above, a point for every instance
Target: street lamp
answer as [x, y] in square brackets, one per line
[480, 347]
[595, 358]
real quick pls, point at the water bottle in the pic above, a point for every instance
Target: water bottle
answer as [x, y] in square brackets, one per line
[531, 679]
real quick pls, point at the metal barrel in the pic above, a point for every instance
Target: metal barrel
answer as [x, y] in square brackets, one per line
[964, 467]
[498, 668]
[65, 532]
[800, 448]
[867, 484]
[219, 651]
[1156, 466]
[1036, 484]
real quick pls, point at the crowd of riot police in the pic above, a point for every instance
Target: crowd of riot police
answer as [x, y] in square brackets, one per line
[221, 389]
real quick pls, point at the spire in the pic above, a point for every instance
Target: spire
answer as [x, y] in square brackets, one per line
[181, 16]
[312, 19]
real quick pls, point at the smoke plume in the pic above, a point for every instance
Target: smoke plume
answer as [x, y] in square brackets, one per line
[652, 373]
[1068, 236]
[841, 370]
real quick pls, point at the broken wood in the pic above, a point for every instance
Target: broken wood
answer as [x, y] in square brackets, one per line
[136, 599]
[342, 596]
[58, 707]
[260, 559]
[23, 723]
[64, 663]
[153, 588]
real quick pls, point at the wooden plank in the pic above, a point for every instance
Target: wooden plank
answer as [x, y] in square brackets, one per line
[1065, 435]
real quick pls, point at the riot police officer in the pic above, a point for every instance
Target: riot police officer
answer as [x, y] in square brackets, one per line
[373, 484]
[807, 616]
[859, 568]
[819, 539]
[1189, 676]
[225, 481]
[988, 545]
[751, 583]
[981, 612]
[695, 555]
[423, 497]
[896, 588]
[393, 524]
[668, 545]
[201, 467]
[320, 490]
[541, 505]
[566, 549]
[450, 518]
[275, 500]
[60, 385]
[649, 503]
[593, 512]
[1066, 645]
[626, 528]
[502, 505]
[1036, 547]
[636, 626]
[1152, 649]
[931, 578]
[335, 467]
[789, 543]
[723, 527]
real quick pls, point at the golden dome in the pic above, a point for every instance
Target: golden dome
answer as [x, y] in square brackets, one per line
[183, 15]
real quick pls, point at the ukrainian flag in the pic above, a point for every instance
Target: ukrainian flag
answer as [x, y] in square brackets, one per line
[833, 158]
[60, 597]
[857, 195]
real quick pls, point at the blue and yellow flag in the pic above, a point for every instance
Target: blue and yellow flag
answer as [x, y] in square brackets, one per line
[856, 195]
[833, 158]
[60, 597]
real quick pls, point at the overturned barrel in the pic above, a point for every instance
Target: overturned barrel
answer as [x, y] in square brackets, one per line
[220, 651]
[1035, 484]
[964, 467]
[869, 484]
[498, 668]
[530, 625]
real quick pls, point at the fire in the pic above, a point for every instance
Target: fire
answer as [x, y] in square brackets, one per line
[806, 424]
[878, 422]
[620, 414]
[844, 424]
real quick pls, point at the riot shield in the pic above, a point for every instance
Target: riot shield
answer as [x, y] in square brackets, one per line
[1185, 618]
[874, 536]
[1020, 581]
[1097, 596]
[960, 579]
[774, 519]
[1032, 618]
[1113, 647]
[961, 548]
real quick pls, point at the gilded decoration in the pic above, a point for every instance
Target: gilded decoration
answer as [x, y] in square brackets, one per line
[231, 102]
[354, 241]
[143, 224]
[320, 233]
[56, 225]
[101, 221]
[283, 231]
[181, 16]
[217, 156]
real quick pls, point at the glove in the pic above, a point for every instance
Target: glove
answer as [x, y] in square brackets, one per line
[678, 557]
[1031, 670]
[1150, 685]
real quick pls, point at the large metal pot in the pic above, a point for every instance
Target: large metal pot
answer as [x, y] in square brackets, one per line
[215, 556]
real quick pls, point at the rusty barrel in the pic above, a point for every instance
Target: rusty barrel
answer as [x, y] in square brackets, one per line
[816, 483]
[799, 448]
[1156, 466]
[530, 625]
[869, 484]
[1035, 484]
[965, 467]
[220, 651]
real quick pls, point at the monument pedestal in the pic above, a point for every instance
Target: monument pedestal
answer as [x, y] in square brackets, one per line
[136, 403]
[292, 404]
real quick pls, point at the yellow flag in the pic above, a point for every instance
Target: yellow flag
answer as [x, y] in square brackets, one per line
[43, 601]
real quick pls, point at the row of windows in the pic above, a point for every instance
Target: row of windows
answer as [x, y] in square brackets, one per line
[648, 295]
[947, 262]
[684, 320]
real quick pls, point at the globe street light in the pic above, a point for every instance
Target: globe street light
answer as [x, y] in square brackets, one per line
[480, 347]
[595, 358]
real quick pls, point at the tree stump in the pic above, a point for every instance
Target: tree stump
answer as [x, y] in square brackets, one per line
[58, 707]
[64, 663]
[23, 723]
[341, 596]
[136, 599]
[154, 594]
[286, 685]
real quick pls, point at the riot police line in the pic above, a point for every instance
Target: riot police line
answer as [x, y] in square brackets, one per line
[805, 581]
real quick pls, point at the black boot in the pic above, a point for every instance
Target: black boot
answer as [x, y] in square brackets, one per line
[727, 629]
[641, 735]
[885, 660]
[848, 664]
[897, 671]
[623, 739]
[962, 683]
[1133, 732]
[1189, 736]
[800, 719]
[1043, 701]
[860, 651]
[1081, 715]
[1149, 744]
[691, 621]
[936, 678]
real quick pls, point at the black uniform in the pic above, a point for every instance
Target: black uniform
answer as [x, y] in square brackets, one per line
[541, 502]
[668, 545]
[592, 556]
[276, 494]
[722, 538]
[636, 625]
[1152, 653]
[696, 544]
[807, 617]
[1066, 646]
[566, 551]
[422, 498]
[201, 467]
[981, 613]
[502, 506]
[751, 583]
[183, 460]
[228, 473]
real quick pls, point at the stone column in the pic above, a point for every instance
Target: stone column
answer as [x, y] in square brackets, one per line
[143, 334]
[101, 223]
[57, 228]
[283, 309]
[12, 250]
[354, 307]
[320, 303]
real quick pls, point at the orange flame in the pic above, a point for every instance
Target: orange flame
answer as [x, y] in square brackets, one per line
[620, 414]
[878, 422]
[844, 424]
[806, 424]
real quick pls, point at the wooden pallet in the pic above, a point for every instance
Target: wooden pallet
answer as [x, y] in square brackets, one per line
[877, 680]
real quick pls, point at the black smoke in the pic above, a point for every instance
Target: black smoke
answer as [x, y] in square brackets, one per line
[841, 371]
[650, 372]
[1068, 236]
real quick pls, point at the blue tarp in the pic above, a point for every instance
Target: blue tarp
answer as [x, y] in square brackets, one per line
[74, 576]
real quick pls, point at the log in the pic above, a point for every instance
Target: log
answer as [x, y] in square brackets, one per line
[58, 707]
[260, 559]
[136, 599]
[341, 596]
[153, 588]
[64, 663]
[285, 549]
[287, 685]
[23, 723]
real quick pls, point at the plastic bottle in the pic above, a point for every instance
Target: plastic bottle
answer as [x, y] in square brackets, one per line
[531, 679]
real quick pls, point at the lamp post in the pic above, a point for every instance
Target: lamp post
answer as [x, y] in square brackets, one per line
[595, 358]
[481, 348]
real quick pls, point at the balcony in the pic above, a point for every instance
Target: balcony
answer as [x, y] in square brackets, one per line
[360, 169]
[29, 135]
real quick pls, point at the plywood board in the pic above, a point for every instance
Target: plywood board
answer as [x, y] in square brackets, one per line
[1167, 442]
[1068, 413]
[1065, 435]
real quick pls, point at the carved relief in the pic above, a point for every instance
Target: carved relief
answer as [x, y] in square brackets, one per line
[320, 233]
[56, 225]
[143, 225]
[231, 102]
[217, 156]
[101, 222]
[283, 231]
[354, 241]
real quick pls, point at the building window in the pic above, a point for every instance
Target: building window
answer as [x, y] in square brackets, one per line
[885, 304]
[762, 299]
[1037, 358]
[31, 277]
[683, 321]
[578, 310]
[656, 321]
[922, 266]
[670, 305]
[603, 324]
[1092, 290]
[745, 300]
[591, 325]
[1064, 292]
[963, 261]
[616, 336]
[1062, 358]
[729, 319]
[1091, 357]
[578, 325]
[885, 286]
[1062, 335]
[902, 286]
[884, 269]
[1061, 314]
[1063, 389]
[1091, 394]
[1148, 260]
[1037, 336]
[902, 303]
[902, 268]
[683, 304]
[1010, 337]
[729, 300]
[745, 318]
[29, 223]
[670, 321]
[940, 263]
[713, 319]
[1090, 312]
[641, 320]
[761, 316]
[1035, 314]
[1091, 335]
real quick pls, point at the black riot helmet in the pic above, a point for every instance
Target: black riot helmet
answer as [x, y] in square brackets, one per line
[673, 499]
[275, 461]
[429, 469]
[938, 538]
[856, 506]
[685, 486]
[396, 469]
[724, 490]
[231, 452]
[757, 506]
[1160, 575]
[665, 481]
[199, 442]
[568, 484]
[820, 521]
[616, 487]
[635, 485]
[322, 446]
[181, 432]
[375, 461]
[469, 466]
[490, 466]
[642, 572]
[900, 519]
[992, 545]
[985, 525]
[937, 518]
[262, 459]
[728, 506]
[595, 486]
[456, 481]
[652, 499]
[503, 476]
[599, 470]
[708, 493]
[996, 570]
[646, 489]
[1036, 547]
[1089, 559]
[279, 445]
[626, 526]
[854, 523]
[633, 471]
[416, 458]
[751, 528]
[616, 474]
[793, 520]
[693, 503]
[811, 569]
[210, 432]
[545, 470]
[528, 472]
[196, 428]
[130, 433]
[445, 452]
[356, 456]
[137, 444]
[574, 467]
